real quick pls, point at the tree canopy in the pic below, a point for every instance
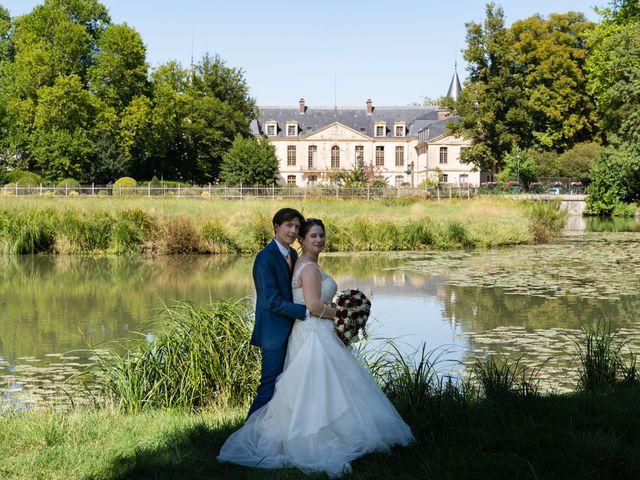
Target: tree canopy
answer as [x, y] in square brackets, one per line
[526, 86]
[77, 100]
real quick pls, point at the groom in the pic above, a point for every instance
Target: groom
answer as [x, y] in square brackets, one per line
[275, 310]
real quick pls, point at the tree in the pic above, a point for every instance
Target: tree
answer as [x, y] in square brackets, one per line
[360, 176]
[615, 179]
[61, 138]
[550, 56]
[249, 162]
[526, 86]
[614, 79]
[119, 73]
[518, 165]
[491, 107]
[195, 117]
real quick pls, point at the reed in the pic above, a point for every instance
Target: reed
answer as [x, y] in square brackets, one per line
[201, 357]
[546, 220]
[505, 378]
[603, 364]
[134, 226]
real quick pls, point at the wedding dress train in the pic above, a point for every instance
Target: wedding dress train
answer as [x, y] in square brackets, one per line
[326, 409]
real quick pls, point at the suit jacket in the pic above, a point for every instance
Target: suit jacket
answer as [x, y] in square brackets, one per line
[275, 310]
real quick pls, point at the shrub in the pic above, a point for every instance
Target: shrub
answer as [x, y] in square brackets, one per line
[23, 178]
[124, 186]
[69, 183]
[181, 236]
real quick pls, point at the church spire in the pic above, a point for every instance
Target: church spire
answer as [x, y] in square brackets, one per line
[455, 88]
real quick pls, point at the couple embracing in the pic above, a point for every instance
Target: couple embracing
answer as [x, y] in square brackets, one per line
[317, 407]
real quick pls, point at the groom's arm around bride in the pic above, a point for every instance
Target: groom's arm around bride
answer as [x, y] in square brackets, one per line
[275, 310]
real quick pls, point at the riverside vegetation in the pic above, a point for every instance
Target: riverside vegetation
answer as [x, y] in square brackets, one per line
[164, 407]
[181, 226]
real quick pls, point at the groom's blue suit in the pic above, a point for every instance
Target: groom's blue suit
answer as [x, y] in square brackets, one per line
[275, 314]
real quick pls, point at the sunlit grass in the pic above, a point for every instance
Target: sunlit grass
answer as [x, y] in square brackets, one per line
[165, 226]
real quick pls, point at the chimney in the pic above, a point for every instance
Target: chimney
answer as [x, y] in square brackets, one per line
[302, 107]
[369, 107]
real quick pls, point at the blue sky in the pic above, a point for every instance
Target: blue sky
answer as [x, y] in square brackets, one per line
[331, 53]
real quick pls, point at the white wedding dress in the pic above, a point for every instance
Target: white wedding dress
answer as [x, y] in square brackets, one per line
[326, 409]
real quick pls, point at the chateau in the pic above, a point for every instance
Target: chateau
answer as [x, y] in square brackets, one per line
[405, 145]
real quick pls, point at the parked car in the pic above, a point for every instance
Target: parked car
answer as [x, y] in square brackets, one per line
[576, 188]
[535, 187]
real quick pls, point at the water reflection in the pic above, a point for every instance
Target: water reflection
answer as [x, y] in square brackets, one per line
[473, 302]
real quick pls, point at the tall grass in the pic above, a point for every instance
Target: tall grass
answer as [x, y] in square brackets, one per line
[137, 226]
[504, 378]
[603, 364]
[200, 357]
[546, 220]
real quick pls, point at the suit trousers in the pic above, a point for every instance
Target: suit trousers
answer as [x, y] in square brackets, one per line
[272, 365]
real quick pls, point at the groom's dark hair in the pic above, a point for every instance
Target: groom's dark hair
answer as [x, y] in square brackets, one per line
[286, 215]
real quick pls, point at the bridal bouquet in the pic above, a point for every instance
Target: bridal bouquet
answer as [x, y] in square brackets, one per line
[352, 313]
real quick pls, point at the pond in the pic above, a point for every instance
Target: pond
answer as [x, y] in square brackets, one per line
[528, 301]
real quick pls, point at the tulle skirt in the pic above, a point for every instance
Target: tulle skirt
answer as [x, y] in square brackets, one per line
[326, 411]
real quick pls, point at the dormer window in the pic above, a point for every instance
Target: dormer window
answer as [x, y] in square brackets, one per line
[271, 128]
[399, 129]
[380, 129]
[292, 129]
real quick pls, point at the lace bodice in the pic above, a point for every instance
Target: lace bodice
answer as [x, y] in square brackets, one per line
[328, 288]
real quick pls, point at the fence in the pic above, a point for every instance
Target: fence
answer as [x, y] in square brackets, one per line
[225, 192]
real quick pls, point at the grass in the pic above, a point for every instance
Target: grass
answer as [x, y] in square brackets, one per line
[603, 363]
[578, 436]
[463, 429]
[201, 357]
[169, 226]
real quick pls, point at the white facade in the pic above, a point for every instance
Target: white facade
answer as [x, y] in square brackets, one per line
[403, 145]
[312, 159]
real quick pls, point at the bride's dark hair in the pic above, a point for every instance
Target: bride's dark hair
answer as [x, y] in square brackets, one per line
[308, 223]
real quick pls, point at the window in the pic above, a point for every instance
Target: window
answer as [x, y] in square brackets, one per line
[312, 180]
[335, 157]
[399, 180]
[363, 129]
[271, 129]
[291, 155]
[313, 153]
[399, 156]
[359, 153]
[463, 180]
[291, 179]
[292, 129]
[444, 178]
[443, 154]
[379, 156]
[399, 129]
[380, 130]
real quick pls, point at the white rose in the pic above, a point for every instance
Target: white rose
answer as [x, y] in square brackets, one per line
[348, 334]
[340, 328]
[355, 339]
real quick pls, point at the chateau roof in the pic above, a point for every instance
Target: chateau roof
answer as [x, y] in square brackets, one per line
[415, 119]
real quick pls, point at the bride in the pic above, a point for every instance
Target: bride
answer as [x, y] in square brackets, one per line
[327, 409]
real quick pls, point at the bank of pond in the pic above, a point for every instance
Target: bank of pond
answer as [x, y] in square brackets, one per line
[161, 408]
[187, 226]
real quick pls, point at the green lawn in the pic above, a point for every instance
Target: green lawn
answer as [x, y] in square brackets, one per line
[577, 436]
